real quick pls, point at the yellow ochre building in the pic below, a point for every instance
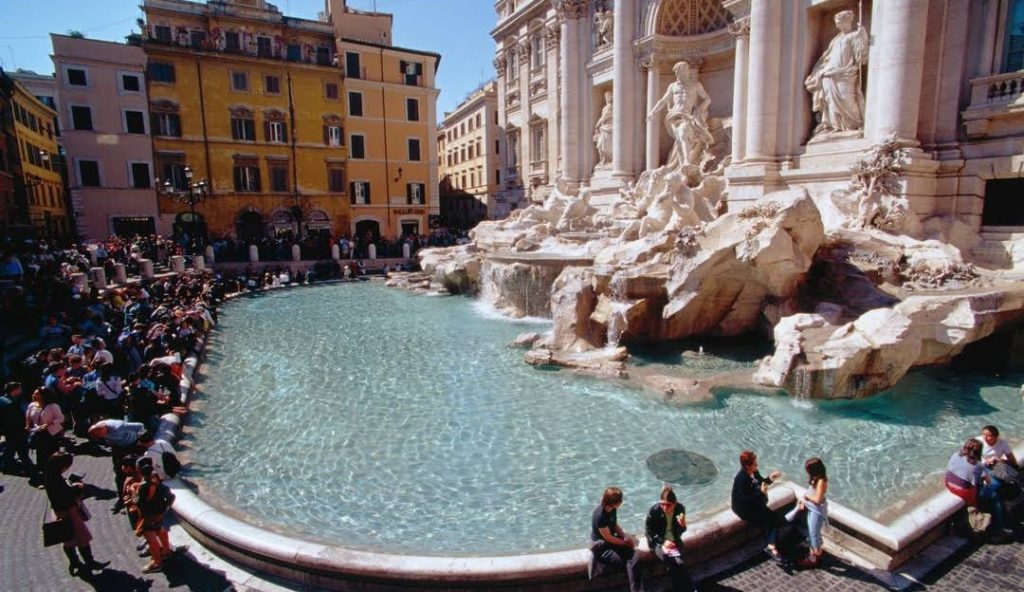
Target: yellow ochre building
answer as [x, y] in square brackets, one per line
[298, 125]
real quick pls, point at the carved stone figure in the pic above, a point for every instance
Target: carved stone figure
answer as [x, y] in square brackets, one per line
[834, 82]
[687, 118]
[603, 133]
[605, 23]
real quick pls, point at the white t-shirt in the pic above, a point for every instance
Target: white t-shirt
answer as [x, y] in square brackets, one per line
[156, 452]
[1000, 450]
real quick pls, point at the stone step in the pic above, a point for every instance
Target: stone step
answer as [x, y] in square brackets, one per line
[992, 254]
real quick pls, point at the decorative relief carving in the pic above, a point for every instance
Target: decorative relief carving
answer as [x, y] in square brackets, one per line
[684, 18]
[570, 9]
[538, 87]
[740, 28]
[499, 64]
[512, 99]
[604, 26]
[523, 49]
[552, 34]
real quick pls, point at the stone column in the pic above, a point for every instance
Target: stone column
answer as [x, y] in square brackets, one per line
[254, 254]
[406, 250]
[120, 274]
[741, 30]
[570, 101]
[208, 252]
[372, 251]
[763, 80]
[653, 133]
[296, 253]
[178, 264]
[198, 262]
[335, 252]
[625, 72]
[145, 268]
[896, 69]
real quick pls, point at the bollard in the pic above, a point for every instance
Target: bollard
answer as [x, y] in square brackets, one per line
[92, 253]
[198, 263]
[145, 268]
[296, 253]
[406, 250]
[81, 280]
[372, 249]
[120, 275]
[178, 264]
[209, 255]
[98, 277]
[254, 254]
[335, 252]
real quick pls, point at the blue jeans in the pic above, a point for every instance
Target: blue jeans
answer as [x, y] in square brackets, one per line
[988, 499]
[815, 520]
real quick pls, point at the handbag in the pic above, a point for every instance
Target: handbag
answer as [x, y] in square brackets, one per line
[59, 531]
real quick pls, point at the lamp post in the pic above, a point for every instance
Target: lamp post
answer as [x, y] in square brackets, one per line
[192, 194]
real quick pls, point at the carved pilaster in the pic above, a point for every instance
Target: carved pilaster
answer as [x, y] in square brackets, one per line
[552, 34]
[499, 64]
[648, 61]
[570, 9]
[523, 49]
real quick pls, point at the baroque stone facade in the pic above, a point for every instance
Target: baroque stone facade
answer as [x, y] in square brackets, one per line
[943, 76]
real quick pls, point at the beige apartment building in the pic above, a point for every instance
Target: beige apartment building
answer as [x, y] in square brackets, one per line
[106, 126]
[469, 148]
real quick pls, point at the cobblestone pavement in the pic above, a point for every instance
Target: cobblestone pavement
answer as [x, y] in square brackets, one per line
[25, 565]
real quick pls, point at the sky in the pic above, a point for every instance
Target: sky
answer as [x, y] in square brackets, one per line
[456, 29]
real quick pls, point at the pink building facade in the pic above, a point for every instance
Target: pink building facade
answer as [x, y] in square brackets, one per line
[105, 130]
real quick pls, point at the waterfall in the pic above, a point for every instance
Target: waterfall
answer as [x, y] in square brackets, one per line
[619, 306]
[518, 288]
[802, 385]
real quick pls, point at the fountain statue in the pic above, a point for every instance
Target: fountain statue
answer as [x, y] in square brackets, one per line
[603, 133]
[835, 81]
[665, 261]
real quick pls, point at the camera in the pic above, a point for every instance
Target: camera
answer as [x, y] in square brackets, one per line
[73, 478]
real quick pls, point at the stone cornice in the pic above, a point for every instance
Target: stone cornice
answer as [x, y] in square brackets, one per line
[674, 49]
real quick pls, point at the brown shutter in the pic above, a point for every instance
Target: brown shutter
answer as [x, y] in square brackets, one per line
[284, 132]
[327, 136]
[266, 131]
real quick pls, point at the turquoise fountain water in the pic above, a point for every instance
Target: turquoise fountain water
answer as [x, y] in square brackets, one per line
[376, 419]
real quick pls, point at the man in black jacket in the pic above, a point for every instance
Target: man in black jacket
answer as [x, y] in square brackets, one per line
[665, 525]
[750, 500]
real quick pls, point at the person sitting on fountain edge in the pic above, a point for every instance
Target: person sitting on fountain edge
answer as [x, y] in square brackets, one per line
[1000, 462]
[665, 525]
[610, 544]
[750, 500]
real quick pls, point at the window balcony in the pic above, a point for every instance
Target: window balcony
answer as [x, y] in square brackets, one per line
[997, 106]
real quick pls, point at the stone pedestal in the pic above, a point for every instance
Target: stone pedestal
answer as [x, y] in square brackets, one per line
[406, 250]
[120, 275]
[335, 252]
[99, 277]
[296, 253]
[254, 254]
[198, 262]
[145, 268]
[92, 253]
[372, 250]
[178, 264]
[604, 188]
[208, 252]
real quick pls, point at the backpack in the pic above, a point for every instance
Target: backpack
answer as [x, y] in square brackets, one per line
[154, 498]
[171, 464]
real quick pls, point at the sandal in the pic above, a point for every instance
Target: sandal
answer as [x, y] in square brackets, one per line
[775, 555]
[809, 562]
[152, 568]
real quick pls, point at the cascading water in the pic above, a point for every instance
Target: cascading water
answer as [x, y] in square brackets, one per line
[518, 288]
[802, 379]
[617, 316]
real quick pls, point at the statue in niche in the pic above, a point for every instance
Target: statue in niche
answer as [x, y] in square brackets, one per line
[686, 120]
[834, 83]
[605, 22]
[603, 133]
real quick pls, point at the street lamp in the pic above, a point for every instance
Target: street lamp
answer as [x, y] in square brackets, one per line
[192, 194]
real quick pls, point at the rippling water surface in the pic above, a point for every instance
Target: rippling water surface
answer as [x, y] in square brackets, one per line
[377, 419]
